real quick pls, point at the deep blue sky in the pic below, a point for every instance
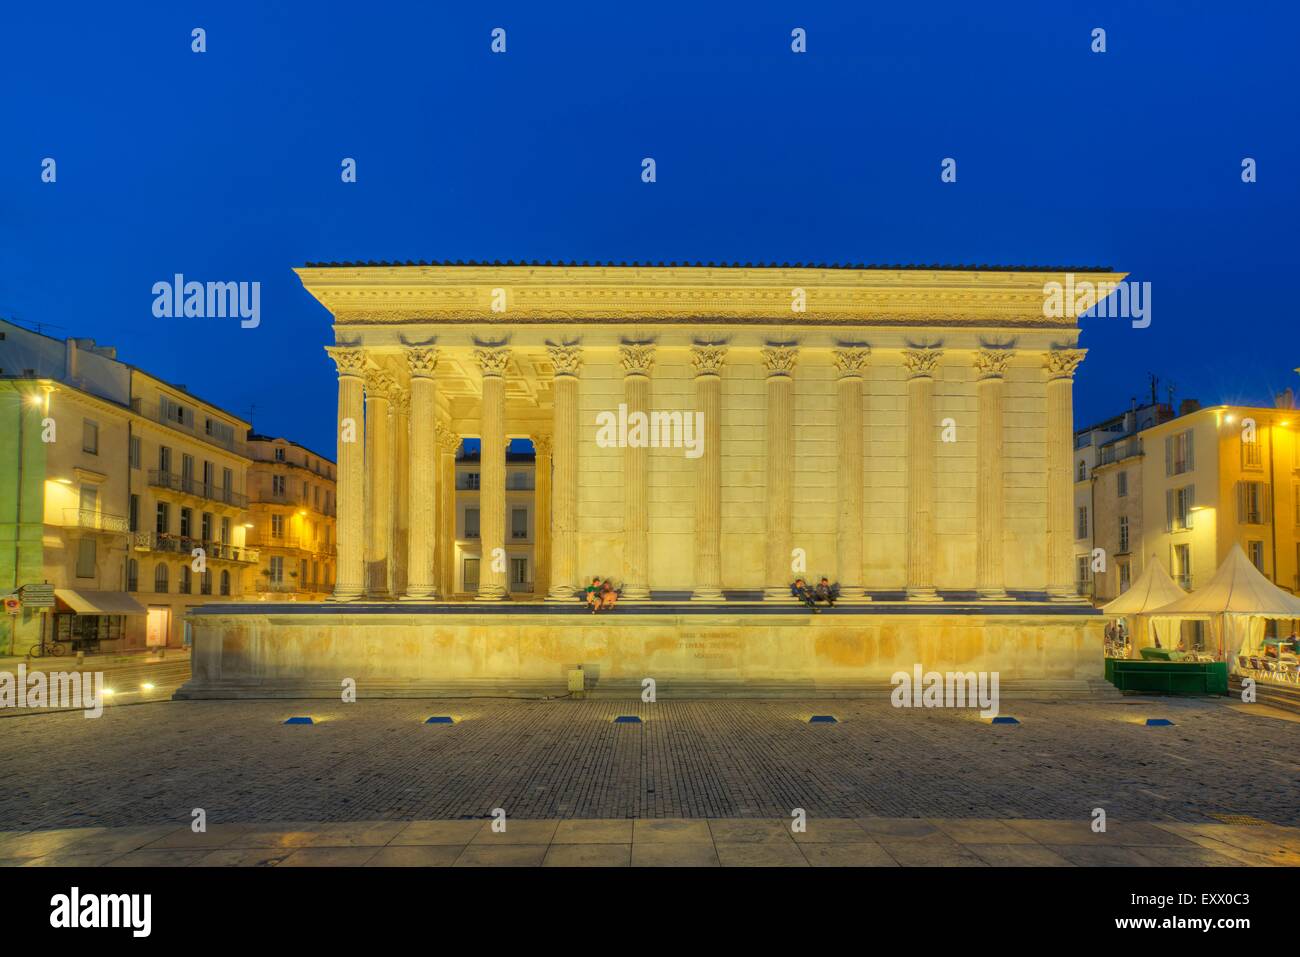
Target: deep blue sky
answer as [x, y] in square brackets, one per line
[225, 165]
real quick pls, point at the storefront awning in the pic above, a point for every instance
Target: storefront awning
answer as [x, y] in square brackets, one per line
[85, 602]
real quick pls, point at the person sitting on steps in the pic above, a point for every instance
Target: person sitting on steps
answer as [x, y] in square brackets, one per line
[608, 595]
[805, 594]
[827, 592]
[592, 595]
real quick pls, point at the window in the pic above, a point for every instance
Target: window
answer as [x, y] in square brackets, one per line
[471, 523]
[86, 558]
[519, 571]
[519, 523]
[133, 451]
[1251, 457]
[160, 578]
[134, 512]
[471, 480]
[1083, 573]
[1255, 552]
[277, 526]
[164, 459]
[278, 484]
[227, 484]
[1178, 508]
[1182, 566]
[279, 454]
[187, 472]
[1081, 473]
[225, 582]
[132, 575]
[1123, 534]
[471, 574]
[186, 516]
[225, 530]
[1124, 577]
[209, 479]
[1081, 522]
[1178, 453]
[206, 526]
[89, 502]
[1252, 503]
[1121, 483]
[173, 411]
[277, 569]
[90, 437]
[187, 579]
[205, 583]
[163, 519]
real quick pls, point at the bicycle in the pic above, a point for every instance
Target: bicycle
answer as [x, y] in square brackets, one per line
[47, 647]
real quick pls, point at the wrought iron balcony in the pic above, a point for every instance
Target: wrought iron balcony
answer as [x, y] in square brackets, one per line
[155, 412]
[93, 520]
[184, 545]
[1118, 451]
[191, 486]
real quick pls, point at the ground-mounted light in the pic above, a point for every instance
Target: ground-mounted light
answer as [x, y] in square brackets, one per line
[1004, 719]
[147, 686]
[627, 719]
[1158, 723]
[823, 719]
[299, 719]
[440, 719]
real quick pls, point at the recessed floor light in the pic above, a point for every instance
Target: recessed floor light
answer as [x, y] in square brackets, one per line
[1004, 719]
[299, 719]
[627, 719]
[1158, 722]
[440, 719]
[823, 719]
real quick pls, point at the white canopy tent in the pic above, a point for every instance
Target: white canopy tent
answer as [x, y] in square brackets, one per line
[1153, 589]
[1237, 600]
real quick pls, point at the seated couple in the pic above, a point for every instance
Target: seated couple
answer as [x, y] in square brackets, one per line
[810, 595]
[601, 595]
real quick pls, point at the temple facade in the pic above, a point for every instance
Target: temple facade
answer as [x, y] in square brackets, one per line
[703, 436]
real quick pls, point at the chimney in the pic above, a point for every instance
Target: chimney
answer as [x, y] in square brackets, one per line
[1285, 399]
[1188, 406]
[70, 360]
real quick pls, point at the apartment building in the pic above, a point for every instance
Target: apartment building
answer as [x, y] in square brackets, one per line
[291, 514]
[520, 524]
[122, 491]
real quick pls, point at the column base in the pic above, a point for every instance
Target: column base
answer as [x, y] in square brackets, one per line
[923, 595]
[779, 593]
[349, 594]
[562, 593]
[1067, 596]
[854, 595]
[635, 593]
[994, 594]
[492, 593]
[430, 595]
[707, 594]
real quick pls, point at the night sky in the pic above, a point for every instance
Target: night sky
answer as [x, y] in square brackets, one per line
[225, 165]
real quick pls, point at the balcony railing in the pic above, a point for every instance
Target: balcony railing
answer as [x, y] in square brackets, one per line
[182, 545]
[197, 487]
[294, 588]
[155, 412]
[1118, 451]
[89, 518]
[289, 541]
[284, 498]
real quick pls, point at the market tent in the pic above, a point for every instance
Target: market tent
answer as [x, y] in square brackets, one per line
[1238, 599]
[1153, 589]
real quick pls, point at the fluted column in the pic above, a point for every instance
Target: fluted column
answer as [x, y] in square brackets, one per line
[849, 364]
[492, 475]
[1060, 365]
[448, 446]
[921, 366]
[400, 410]
[379, 483]
[779, 362]
[542, 447]
[638, 360]
[350, 493]
[990, 369]
[567, 359]
[708, 360]
[421, 582]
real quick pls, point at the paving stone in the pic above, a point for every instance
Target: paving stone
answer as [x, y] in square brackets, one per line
[1191, 856]
[671, 832]
[502, 855]
[216, 835]
[72, 859]
[831, 831]
[359, 834]
[978, 831]
[588, 855]
[749, 832]
[847, 855]
[163, 857]
[1017, 855]
[42, 843]
[1102, 855]
[593, 832]
[437, 832]
[760, 854]
[416, 855]
[932, 853]
[517, 832]
[329, 857]
[674, 854]
[890, 829]
[244, 857]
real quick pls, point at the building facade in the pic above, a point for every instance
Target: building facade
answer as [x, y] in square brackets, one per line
[519, 523]
[703, 435]
[291, 510]
[123, 491]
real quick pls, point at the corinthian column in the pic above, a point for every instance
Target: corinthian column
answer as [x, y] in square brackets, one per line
[708, 361]
[492, 475]
[849, 363]
[448, 446]
[564, 486]
[1060, 365]
[779, 361]
[422, 469]
[400, 409]
[350, 491]
[921, 365]
[990, 368]
[379, 483]
[637, 359]
[542, 447]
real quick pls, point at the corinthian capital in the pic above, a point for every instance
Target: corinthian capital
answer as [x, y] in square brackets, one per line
[992, 363]
[421, 360]
[448, 440]
[543, 445]
[779, 360]
[400, 400]
[566, 359]
[492, 361]
[921, 363]
[1061, 363]
[708, 359]
[349, 362]
[851, 363]
[380, 384]
[637, 358]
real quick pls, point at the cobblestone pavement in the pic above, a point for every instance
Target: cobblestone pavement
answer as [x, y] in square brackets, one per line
[649, 842]
[377, 760]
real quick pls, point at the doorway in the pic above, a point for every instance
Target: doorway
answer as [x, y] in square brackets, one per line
[158, 627]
